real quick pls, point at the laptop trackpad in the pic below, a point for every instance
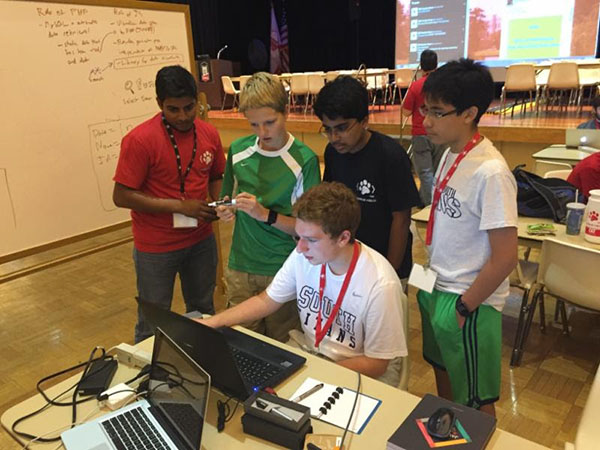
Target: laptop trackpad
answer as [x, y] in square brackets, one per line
[102, 446]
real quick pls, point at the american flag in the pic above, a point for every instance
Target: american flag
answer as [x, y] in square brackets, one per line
[280, 53]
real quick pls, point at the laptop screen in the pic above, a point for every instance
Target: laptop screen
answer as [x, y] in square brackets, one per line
[582, 137]
[178, 388]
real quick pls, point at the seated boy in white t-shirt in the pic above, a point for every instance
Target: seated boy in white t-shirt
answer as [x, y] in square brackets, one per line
[472, 239]
[366, 332]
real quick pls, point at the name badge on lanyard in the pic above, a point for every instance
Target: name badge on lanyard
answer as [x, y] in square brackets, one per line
[180, 220]
[423, 277]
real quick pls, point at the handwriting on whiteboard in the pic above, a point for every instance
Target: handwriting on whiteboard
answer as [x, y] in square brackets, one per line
[83, 39]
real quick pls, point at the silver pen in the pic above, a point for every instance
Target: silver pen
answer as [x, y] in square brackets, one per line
[311, 391]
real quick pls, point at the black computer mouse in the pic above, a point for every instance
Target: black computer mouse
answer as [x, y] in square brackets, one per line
[440, 423]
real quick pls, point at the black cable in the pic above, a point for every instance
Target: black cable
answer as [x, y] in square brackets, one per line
[54, 375]
[237, 402]
[52, 401]
[224, 413]
[86, 373]
[351, 412]
[145, 370]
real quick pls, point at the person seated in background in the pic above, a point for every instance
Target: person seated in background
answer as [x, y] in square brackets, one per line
[425, 155]
[349, 296]
[594, 123]
[471, 239]
[374, 166]
[266, 172]
[585, 176]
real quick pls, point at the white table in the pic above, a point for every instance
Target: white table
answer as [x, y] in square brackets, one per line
[396, 405]
[561, 154]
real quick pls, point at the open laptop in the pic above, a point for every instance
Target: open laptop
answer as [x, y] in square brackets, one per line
[578, 138]
[171, 416]
[238, 363]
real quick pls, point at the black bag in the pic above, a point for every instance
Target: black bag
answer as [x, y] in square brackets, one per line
[543, 197]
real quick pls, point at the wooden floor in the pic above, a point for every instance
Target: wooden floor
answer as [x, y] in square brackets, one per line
[52, 319]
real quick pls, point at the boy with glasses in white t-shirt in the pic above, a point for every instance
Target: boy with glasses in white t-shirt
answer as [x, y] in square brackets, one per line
[471, 238]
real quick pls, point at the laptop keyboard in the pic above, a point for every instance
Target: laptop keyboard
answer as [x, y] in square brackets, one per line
[133, 430]
[255, 372]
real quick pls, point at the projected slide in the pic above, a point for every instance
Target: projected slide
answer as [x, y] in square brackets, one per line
[498, 32]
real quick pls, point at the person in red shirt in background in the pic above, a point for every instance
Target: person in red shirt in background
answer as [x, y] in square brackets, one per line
[426, 155]
[167, 167]
[586, 174]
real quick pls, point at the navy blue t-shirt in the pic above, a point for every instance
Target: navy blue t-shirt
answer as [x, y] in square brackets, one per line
[381, 178]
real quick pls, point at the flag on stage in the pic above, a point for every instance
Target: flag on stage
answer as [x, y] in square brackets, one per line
[280, 53]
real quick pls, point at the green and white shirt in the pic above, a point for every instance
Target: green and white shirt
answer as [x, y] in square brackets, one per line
[277, 179]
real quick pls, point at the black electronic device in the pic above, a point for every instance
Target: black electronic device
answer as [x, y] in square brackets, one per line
[440, 423]
[239, 364]
[98, 377]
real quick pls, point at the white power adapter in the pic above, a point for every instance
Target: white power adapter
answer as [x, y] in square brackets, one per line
[128, 354]
[118, 395]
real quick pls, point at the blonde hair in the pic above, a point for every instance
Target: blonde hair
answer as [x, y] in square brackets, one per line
[263, 90]
[332, 206]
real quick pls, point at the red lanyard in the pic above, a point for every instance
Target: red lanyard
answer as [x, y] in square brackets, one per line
[439, 187]
[320, 332]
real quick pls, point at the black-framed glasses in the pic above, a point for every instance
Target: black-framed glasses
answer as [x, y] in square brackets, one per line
[339, 130]
[426, 112]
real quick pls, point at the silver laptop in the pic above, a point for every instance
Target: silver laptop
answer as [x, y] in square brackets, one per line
[578, 138]
[171, 417]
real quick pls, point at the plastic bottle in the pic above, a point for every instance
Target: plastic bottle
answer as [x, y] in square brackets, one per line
[592, 217]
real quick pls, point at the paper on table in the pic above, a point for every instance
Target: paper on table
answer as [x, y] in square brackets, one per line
[339, 413]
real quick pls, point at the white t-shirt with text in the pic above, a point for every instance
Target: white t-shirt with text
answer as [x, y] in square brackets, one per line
[480, 196]
[369, 321]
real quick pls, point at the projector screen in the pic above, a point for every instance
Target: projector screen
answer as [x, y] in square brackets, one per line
[498, 32]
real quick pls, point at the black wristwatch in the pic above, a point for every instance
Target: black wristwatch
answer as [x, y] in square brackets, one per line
[461, 307]
[272, 217]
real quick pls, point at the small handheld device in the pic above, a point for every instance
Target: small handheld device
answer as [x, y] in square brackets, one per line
[222, 203]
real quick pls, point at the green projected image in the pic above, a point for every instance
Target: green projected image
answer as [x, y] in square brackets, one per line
[534, 37]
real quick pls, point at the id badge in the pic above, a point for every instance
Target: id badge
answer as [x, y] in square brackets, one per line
[181, 221]
[422, 278]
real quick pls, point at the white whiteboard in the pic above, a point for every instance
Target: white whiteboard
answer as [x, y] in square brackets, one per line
[75, 78]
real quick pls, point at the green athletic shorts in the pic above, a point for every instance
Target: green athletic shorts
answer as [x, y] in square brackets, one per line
[470, 355]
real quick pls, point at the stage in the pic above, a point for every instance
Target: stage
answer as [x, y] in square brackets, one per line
[517, 138]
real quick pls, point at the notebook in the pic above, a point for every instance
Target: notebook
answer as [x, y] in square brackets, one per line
[340, 411]
[238, 363]
[474, 427]
[171, 416]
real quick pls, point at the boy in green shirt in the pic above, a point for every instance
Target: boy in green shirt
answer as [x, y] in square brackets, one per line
[266, 173]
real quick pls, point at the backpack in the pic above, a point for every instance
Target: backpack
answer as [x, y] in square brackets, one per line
[543, 197]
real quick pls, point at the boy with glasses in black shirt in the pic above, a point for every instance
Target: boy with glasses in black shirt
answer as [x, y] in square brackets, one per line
[374, 166]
